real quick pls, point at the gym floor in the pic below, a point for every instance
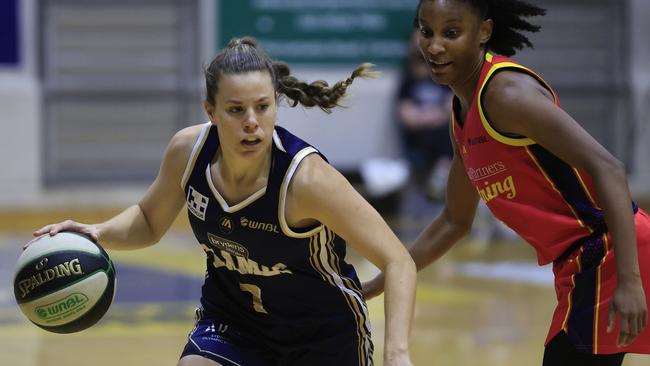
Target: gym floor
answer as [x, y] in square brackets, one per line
[486, 303]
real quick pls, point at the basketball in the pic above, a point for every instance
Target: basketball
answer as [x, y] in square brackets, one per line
[64, 283]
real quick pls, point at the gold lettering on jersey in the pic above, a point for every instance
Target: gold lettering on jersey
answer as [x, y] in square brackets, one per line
[496, 189]
[243, 265]
[228, 245]
[257, 225]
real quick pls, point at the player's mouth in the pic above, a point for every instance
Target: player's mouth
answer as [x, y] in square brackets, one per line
[251, 141]
[439, 66]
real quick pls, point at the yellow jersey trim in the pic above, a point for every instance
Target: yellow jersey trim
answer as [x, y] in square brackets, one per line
[524, 141]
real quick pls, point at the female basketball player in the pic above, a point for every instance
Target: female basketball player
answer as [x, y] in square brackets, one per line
[272, 216]
[541, 174]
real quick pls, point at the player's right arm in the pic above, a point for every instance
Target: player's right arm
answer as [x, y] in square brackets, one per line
[444, 231]
[144, 223]
[454, 221]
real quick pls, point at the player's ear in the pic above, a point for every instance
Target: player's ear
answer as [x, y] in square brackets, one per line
[485, 31]
[209, 109]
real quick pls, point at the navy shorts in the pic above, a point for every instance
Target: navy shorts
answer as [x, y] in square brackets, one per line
[216, 340]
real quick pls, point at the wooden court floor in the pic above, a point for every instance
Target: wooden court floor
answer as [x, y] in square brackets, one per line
[484, 304]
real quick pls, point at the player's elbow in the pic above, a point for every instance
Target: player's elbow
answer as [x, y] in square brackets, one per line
[401, 262]
[610, 168]
[615, 166]
[459, 224]
[148, 233]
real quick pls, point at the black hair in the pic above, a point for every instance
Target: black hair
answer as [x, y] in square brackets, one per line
[245, 55]
[508, 17]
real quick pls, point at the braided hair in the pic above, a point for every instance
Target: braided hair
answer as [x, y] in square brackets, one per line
[245, 55]
[508, 18]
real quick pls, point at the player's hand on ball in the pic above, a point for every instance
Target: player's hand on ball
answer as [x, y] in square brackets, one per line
[67, 225]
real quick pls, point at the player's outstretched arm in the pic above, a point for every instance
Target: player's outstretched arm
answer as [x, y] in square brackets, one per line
[444, 231]
[144, 223]
[321, 193]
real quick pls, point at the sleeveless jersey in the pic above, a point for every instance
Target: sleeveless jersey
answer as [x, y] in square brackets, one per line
[549, 203]
[262, 275]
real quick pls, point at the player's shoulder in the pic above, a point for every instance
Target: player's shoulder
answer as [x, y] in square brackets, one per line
[189, 135]
[181, 144]
[314, 176]
[186, 138]
[508, 88]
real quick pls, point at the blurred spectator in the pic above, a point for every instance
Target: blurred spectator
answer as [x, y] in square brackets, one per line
[423, 111]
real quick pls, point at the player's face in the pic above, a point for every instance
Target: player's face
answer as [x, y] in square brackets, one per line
[452, 39]
[244, 110]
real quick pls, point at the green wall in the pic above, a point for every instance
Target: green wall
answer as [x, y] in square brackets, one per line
[321, 31]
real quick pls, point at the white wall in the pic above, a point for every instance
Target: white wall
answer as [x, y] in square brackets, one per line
[350, 135]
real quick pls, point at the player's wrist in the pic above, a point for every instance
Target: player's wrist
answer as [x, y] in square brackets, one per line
[396, 347]
[396, 351]
[629, 277]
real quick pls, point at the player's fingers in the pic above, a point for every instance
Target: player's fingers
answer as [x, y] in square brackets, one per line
[641, 319]
[94, 234]
[634, 328]
[31, 241]
[43, 230]
[67, 225]
[624, 331]
[611, 318]
[55, 229]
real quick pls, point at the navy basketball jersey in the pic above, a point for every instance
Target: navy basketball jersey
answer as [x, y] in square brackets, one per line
[288, 285]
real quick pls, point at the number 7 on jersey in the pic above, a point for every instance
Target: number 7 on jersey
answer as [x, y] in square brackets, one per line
[256, 292]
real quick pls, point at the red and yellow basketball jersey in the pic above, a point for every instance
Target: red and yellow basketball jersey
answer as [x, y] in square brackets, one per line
[549, 203]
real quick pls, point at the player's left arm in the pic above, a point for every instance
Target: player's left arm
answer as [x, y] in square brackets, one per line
[518, 103]
[319, 192]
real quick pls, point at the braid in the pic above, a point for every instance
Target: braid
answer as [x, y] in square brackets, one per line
[317, 93]
[244, 55]
[507, 16]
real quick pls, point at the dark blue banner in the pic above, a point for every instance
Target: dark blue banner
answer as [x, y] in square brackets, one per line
[9, 33]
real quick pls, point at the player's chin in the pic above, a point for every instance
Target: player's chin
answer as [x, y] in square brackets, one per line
[442, 79]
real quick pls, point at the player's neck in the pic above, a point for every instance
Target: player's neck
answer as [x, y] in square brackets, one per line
[238, 171]
[466, 88]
